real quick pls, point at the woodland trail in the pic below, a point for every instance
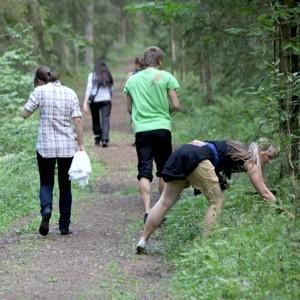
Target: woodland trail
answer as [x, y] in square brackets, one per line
[98, 260]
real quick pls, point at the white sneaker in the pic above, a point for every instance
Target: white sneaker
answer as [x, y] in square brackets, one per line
[141, 247]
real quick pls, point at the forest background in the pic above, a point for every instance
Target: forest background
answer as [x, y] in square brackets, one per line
[238, 65]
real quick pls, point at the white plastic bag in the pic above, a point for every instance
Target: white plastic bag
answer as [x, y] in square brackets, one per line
[80, 169]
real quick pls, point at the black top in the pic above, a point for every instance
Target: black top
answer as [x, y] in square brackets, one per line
[187, 157]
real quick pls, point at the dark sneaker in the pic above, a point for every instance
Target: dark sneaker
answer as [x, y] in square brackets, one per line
[104, 144]
[44, 227]
[65, 231]
[145, 217]
[141, 247]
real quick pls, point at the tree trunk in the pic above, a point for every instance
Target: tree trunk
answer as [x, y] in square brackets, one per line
[295, 117]
[34, 18]
[295, 109]
[207, 78]
[183, 63]
[76, 56]
[290, 104]
[65, 57]
[89, 35]
[289, 64]
[173, 46]
[76, 50]
[124, 30]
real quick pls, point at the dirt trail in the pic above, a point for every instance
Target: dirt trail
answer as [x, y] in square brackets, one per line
[98, 260]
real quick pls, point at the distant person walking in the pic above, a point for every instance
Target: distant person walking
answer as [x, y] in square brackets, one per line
[205, 166]
[138, 66]
[56, 143]
[98, 96]
[151, 95]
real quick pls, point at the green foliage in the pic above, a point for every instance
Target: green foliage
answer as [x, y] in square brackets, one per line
[166, 9]
[15, 85]
[18, 182]
[252, 254]
[18, 187]
[230, 117]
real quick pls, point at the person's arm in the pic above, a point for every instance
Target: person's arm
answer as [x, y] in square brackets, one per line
[32, 103]
[79, 132]
[258, 182]
[88, 91]
[174, 102]
[26, 113]
[129, 104]
[85, 104]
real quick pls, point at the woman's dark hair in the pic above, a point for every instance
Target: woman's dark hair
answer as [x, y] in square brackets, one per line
[44, 74]
[102, 75]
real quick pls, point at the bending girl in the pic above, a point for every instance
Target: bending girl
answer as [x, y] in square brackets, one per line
[203, 165]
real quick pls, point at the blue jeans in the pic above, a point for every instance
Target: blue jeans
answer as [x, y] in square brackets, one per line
[46, 170]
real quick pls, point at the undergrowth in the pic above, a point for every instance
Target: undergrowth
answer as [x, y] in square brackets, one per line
[253, 252]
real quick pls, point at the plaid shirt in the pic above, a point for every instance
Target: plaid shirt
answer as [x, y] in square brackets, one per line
[58, 104]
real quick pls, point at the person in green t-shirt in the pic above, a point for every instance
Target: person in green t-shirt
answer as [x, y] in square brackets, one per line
[151, 96]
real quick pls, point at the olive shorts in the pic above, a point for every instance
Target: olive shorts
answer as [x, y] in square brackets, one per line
[206, 180]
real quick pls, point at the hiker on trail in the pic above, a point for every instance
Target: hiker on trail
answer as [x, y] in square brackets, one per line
[56, 143]
[138, 66]
[151, 95]
[205, 166]
[98, 96]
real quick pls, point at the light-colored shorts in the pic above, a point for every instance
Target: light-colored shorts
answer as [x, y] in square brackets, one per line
[205, 179]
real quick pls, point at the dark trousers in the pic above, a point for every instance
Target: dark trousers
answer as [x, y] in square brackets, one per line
[101, 128]
[46, 170]
[152, 144]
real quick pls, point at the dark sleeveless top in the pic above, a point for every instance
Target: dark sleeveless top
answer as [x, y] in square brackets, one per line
[187, 157]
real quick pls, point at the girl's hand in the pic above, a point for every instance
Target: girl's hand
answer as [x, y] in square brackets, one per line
[80, 148]
[85, 107]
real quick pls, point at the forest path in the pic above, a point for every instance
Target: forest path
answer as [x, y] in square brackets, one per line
[98, 260]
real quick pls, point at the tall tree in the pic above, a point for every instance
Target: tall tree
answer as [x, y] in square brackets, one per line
[287, 50]
[89, 34]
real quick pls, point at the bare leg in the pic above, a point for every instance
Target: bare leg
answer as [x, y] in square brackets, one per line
[144, 188]
[204, 178]
[158, 211]
[161, 185]
[216, 198]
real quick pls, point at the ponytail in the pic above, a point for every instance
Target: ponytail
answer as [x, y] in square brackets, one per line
[43, 73]
[52, 76]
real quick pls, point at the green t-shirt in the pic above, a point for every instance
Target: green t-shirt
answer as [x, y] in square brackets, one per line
[150, 102]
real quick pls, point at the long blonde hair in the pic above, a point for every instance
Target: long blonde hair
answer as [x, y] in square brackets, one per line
[241, 151]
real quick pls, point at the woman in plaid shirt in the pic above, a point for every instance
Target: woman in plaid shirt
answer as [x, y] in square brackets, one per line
[59, 106]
